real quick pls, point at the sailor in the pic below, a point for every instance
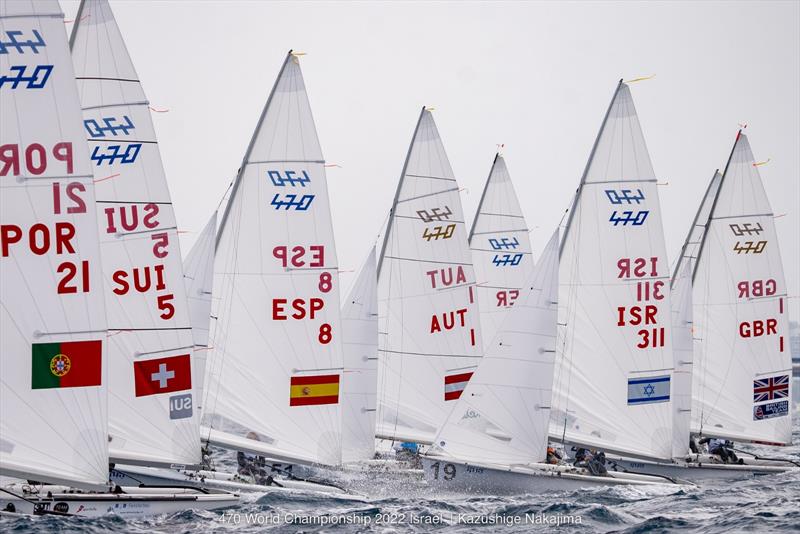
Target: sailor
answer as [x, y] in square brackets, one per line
[582, 457]
[597, 465]
[252, 465]
[553, 456]
[722, 448]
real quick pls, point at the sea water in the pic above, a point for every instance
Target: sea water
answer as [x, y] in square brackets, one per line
[396, 504]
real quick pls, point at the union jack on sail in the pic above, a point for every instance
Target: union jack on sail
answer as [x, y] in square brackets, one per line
[774, 387]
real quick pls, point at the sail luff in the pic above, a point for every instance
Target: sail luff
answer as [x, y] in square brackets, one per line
[586, 169]
[397, 193]
[483, 197]
[679, 263]
[78, 18]
[246, 157]
[714, 205]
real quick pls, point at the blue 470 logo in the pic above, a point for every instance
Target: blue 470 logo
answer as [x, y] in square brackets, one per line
[114, 154]
[503, 243]
[20, 46]
[36, 80]
[626, 196]
[625, 217]
[504, 260]
[291, 202]
[111, 125]
[289, 177]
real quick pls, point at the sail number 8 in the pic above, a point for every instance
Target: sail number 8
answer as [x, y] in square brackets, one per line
[447, 472]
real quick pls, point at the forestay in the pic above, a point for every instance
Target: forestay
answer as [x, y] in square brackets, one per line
[742, 378]
[683, 354]
[501, 249]
[503, 415]
[199, 277]
[53, 395]
[613, 374]
[428, 317]
[360, 377]
[276, 358]
[152, 419]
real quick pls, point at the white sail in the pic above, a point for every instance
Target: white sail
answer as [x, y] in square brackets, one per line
[360, 376]
[503, 415]
[614, 365]
[683, 354]
[430, 337]
[691, 247]
[276, 359]
[501, 249]
[198, 277]
[53, 394]
[742, 372]
[151, 414]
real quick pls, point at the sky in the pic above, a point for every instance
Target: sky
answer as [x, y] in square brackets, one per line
[536, 77]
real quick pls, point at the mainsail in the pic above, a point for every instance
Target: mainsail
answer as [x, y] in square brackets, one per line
[742, 376]
[614, 363]
[150, 407]
[276, 359]
[360, 378]
[501, 249]
[198, 267]
[503, 415]
[430, 338]
[53, 394]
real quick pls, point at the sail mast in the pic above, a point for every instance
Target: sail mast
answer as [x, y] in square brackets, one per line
[714, 206]
[247, 153]
[586, 169]
[692, 227]
[397, 193]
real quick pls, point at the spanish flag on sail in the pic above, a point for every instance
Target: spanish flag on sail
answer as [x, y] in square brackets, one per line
[314, 390]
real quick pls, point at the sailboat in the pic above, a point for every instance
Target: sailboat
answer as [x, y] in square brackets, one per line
[501, 248]
[613, 387]
[495, 438]
[54, 354]
[275, 363]
[430, 340]
[742, 373]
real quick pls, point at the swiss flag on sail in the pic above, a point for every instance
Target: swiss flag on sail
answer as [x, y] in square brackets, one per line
[163, 375]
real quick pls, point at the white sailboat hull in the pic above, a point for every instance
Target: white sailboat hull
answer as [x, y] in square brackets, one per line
[537, 478]
[218, 480]
[701, 469]
[134, 502]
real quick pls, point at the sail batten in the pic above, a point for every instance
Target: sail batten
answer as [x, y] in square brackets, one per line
[152, 375]
[428, 315]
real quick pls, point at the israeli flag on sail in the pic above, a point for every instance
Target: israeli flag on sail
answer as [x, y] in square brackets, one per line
[644, 390]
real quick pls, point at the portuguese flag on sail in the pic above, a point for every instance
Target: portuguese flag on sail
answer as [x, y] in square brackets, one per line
[70, 364]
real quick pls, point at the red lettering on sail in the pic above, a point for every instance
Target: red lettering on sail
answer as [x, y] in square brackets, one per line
[144, 279]
[312, 256]
[41, 239]
[756, 288]
[758, 328]
[298, 309]
[447, 277]
[449, 320]
[34, 157]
